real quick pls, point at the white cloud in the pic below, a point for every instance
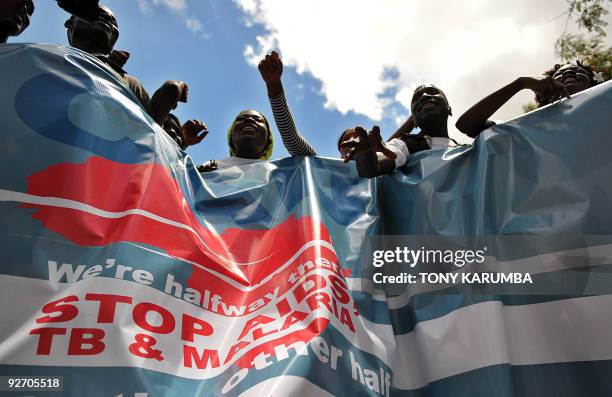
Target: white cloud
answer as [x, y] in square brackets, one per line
[180, 7]
[193, 24]
[174, 5]
[467, 48]
[144, 6]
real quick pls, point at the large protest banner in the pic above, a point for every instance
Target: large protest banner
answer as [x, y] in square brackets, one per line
[127, 273]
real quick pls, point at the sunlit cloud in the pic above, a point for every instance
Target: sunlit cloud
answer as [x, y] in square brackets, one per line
[180, 7]
[174, 5]
[193, 24]
[468, 49]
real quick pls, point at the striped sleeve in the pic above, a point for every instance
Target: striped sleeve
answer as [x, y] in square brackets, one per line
[296, 144]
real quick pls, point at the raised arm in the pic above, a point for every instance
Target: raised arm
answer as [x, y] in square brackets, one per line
[166, 98]
[476, 119]
[271, 69]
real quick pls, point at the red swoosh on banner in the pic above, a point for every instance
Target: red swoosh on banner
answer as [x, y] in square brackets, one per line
[116, 187]
[166, 221]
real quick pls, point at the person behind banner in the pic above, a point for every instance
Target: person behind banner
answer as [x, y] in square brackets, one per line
[250, 137]
[14, 18]
[556, 83]
[93, 28]
[430, 111]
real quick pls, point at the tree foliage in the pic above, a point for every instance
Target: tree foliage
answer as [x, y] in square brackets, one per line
[589, 45]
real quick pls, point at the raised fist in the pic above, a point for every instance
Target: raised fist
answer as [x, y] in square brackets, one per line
[184, 92]
[271, 70]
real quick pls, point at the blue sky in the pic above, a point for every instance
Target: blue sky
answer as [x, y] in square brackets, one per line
[211, 61]
[347, 62]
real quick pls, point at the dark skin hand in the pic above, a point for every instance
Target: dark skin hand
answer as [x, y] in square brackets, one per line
[184, 92]
[209, 166]
[167, 98]
[194, 131]
[120, 58]
[473, 121]
[368, 150]
[85, 9]
[271, 70]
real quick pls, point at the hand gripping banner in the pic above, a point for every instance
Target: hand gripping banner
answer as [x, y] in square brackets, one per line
[125, 272]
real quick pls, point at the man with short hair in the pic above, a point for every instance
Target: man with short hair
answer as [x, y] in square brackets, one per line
[430, 112]
[93, 28]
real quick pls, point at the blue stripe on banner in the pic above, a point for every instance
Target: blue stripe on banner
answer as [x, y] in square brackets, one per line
[427, 306]
[434, 306]
[430, 305]
[371, 309]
